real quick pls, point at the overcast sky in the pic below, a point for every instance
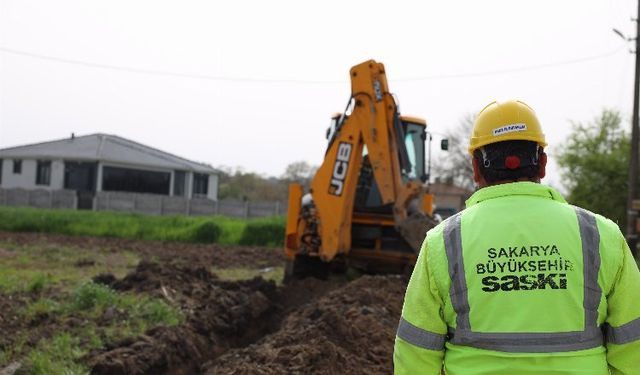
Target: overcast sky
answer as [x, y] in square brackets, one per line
[253, 83]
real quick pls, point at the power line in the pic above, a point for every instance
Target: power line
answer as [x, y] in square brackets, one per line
[143, 71]
[265, 80]
[518, 69]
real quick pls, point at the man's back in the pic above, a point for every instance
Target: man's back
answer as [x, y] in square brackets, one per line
[521, 283]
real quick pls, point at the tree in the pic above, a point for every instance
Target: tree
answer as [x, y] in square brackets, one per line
[250, 186]
[594, 165]
[235, 183]
[299, 171]
[455, 165]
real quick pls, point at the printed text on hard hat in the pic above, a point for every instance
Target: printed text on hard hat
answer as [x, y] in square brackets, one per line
[509, 129]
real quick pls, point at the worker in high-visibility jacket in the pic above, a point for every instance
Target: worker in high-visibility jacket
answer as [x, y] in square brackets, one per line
[520, 282]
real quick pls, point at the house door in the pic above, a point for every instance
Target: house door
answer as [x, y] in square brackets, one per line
[81, 177]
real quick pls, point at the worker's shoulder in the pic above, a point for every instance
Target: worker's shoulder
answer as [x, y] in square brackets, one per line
[438, 229]
[606, 225]
[436, 233]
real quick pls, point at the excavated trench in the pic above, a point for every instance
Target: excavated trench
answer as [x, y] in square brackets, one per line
[229, 327]
[254, 327]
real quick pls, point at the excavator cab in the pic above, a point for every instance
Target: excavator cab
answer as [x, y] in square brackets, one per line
[368, 206]
[415, 140]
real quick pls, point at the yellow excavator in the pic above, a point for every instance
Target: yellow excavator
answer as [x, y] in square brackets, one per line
[367, 206]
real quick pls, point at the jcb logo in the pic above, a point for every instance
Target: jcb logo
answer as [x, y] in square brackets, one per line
[340, 169]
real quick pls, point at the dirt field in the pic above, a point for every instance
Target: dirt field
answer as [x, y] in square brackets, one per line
[252, 326]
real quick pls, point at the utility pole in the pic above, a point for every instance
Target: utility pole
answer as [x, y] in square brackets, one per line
[632, 214]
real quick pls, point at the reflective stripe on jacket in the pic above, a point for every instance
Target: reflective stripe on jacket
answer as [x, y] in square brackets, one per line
[521, 282]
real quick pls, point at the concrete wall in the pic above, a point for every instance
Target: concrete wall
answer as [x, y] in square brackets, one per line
[152, 204]
[38, 198]
[27, 178]
[149, 204]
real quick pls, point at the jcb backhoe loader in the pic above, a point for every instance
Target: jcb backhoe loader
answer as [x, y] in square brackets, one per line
[367, 205]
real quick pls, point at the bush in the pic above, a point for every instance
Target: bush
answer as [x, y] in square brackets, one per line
[91, 294]
[264, 233]
[156, 312]
[207, 232]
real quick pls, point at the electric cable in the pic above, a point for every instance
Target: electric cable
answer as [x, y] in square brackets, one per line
[296, 81]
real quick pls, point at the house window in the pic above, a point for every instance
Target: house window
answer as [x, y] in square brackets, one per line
[135, 180]
[200, 184]
[17, 166]
[178, 183]
[43, 172]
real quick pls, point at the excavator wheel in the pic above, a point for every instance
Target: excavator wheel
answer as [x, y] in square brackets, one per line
[303, 266]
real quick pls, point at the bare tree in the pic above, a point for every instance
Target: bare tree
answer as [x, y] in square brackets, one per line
[454, 166]
[299, 171]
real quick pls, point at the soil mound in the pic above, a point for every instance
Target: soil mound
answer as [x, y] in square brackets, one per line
[349, 331]
[151, 276]
[219, 315]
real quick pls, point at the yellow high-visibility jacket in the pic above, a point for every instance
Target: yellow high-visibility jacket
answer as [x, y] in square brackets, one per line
[521, 282]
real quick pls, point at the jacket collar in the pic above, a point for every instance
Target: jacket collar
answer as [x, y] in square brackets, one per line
[514, 188]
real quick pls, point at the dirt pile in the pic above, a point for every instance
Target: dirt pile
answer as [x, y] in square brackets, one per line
[252, 327]
[219, 315]
[349, 331]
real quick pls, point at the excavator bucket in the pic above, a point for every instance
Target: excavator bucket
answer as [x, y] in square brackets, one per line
[414, 228]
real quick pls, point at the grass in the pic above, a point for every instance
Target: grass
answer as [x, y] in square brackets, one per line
[40, 308]
[57, 356]
[91, 301]
[266, 232]
[200, 229]
[34, 268]
[135, 313]
[91, 295]
[14, 280]
[131, 315]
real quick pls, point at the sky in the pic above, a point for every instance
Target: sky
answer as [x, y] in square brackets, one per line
[253, 84]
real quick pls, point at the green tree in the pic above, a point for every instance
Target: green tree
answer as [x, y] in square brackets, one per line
[594, 164]
[250, 186]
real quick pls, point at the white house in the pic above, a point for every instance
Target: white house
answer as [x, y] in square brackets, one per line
[103, 162]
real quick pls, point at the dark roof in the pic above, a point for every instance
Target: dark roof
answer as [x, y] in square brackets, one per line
[105, 148]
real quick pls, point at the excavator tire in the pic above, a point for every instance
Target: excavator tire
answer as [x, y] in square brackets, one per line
[303, 266]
